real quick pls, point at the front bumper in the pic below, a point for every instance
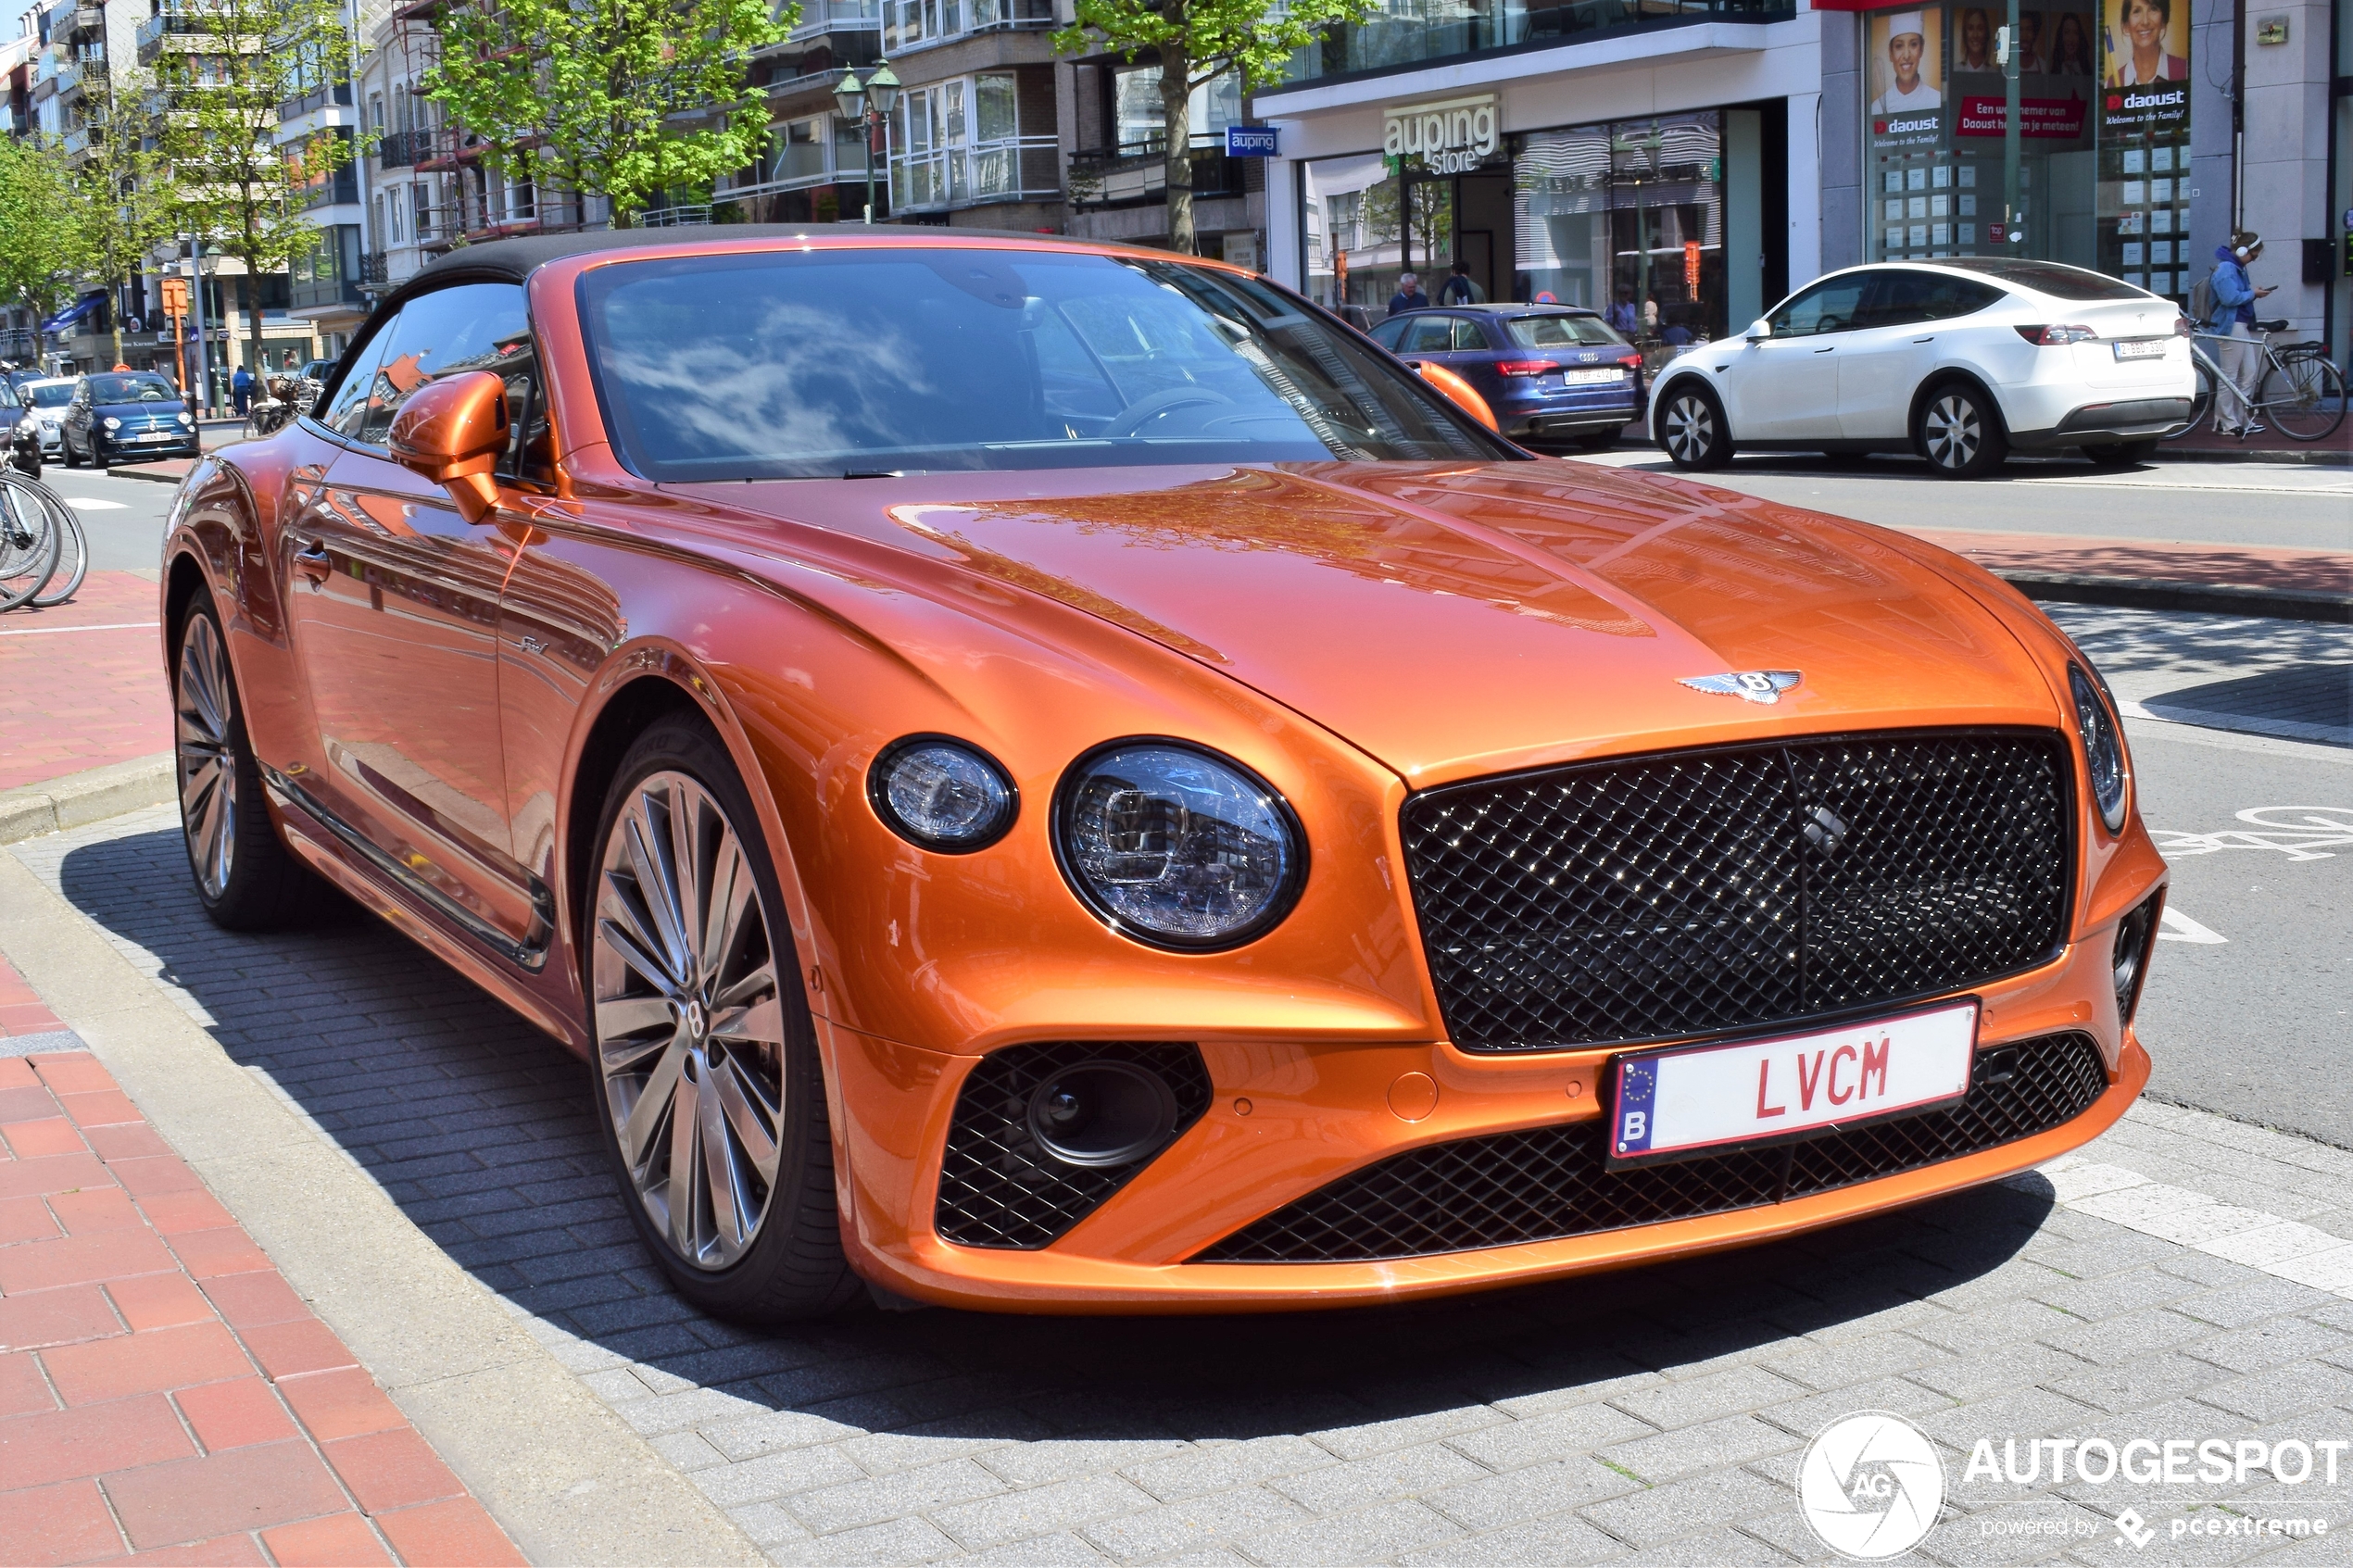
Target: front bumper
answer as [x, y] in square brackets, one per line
[109, 451]
[1286, 1119]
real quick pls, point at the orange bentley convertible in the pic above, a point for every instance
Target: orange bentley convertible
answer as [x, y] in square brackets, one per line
[1050, 777]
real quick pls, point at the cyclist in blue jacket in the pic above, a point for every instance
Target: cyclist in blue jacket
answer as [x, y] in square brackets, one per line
[2233, 316]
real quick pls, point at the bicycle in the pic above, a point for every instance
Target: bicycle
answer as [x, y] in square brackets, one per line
[287, 396]
[2299, 391]
[45, 553]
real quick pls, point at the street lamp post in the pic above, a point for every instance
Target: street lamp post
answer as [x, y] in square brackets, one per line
[867, 105]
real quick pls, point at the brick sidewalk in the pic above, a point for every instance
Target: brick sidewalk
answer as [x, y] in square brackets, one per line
[163, 1392]
[2237, 566]
[82, 684]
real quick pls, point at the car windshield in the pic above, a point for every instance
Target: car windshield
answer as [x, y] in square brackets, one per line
[839, 363]
[1560, 331]
[131, 389]
[2046, 278]
[54, 394]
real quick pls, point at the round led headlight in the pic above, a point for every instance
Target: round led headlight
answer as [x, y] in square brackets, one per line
[1176, 847]
[111, 423]
[942, 795]
[2103, 747]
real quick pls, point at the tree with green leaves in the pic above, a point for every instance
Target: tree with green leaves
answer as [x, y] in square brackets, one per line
[621, 99]
[41, 236]
[238, 60]
[1197, 42]
[130, 195]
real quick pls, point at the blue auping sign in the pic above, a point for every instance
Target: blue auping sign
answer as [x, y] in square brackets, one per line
[1249, 141]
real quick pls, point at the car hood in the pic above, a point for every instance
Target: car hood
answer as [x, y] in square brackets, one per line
[1457, 619]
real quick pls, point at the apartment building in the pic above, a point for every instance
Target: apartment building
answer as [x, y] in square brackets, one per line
[815, 167]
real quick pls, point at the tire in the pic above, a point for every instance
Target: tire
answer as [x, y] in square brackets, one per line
[2302, 397]
[245, 878]
[65, 450]
[1958, 429]
[676, 1031]
[2201, 398]
[27, 546]
[2121, 454]
[34, 504]
[1692, 428]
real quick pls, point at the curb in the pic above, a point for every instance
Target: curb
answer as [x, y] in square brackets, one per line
[88, 797]
[2326, 460]
[2204, 598]
[133, 470]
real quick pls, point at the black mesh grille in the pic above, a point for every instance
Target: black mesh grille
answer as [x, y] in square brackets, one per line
[1690, 893]
[1550, 1181]
[997, 1188]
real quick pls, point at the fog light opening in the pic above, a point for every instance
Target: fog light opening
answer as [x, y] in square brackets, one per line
[2135, 937]
[1103, 1112]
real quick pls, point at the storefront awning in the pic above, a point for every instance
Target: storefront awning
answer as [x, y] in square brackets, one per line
[81, 310]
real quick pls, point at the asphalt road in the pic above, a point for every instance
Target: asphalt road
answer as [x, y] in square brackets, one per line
[2254, 1025]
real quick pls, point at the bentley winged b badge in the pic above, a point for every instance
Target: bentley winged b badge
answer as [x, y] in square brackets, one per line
[1750, 685]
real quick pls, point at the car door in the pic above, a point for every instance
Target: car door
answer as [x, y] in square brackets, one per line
[74, 429]
[393, 608]
[1902, 338]
[1784, 387]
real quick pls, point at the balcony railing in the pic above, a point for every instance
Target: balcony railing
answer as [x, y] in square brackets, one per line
[1408, 33]
[402, 149]
[910, 23]
[1138, 176]
[825, 15]
[1018, 169]
[188, 29]
[682, 216]
[75, 142]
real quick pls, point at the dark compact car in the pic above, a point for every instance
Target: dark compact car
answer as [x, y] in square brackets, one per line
[19, 432]
[1552, 373]
[126, 416]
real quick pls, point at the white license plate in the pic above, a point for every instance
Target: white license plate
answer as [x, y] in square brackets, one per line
[1591, 377]
[159, 435]
[1674, 1102]
[2142, 348]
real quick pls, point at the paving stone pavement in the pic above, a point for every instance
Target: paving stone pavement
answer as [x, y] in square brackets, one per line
[1650, 1416]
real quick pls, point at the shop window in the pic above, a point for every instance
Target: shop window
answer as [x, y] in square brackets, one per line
[1627, 219]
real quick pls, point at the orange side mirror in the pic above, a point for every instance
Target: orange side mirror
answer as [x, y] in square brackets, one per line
[1459, 392]
[452, 431]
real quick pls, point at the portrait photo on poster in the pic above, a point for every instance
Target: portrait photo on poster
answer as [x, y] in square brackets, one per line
[1907, 61]
[2145, 42]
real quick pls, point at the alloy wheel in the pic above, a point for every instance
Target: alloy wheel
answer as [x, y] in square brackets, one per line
[207, 756]
[1691, 429]
[689, 1022]
[1953, 430]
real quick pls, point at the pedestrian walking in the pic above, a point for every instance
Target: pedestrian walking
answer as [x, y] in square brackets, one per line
[1459, 288]
[2233, 316]
[1409, 296]
[241, 390]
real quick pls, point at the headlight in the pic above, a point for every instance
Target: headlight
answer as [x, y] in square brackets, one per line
[185, 418]
[2103, 748]
[1176, 847]
[111, 423]
[941, 794]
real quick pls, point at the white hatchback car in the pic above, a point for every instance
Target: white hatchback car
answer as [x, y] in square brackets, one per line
[1962, 361]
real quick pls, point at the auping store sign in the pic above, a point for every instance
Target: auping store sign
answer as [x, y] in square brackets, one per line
[1453, 137]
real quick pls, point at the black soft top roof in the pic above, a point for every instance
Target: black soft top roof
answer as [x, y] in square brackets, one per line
[513, 260]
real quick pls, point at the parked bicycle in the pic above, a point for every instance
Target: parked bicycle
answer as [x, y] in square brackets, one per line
[2295, 389]
[43, 552]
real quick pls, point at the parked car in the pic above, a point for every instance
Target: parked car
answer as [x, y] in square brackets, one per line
[1962, 361]
[1551, 373]
[1119, 797]
[136, 415]
[47, 400]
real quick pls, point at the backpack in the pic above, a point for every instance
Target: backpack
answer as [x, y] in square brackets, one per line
[2202, 299]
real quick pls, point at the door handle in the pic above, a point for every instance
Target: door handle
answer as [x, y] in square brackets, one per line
[1931, 338]
[313, 562]
[1832, 347]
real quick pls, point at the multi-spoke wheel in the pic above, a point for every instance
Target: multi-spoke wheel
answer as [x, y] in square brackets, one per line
[1692, 430]
[706, 1078]
[1961, 434]
[245, 876]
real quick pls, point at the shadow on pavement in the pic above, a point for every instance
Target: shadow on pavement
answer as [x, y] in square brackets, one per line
[2316, 694]
[479, 1129]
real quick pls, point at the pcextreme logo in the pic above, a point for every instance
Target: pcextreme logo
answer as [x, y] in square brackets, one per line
[1870, 1485]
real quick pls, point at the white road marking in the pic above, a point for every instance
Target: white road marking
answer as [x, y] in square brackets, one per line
[2298, 831]
[2265, 1242]
[92, 504]
[2178, 927]
[111, 626]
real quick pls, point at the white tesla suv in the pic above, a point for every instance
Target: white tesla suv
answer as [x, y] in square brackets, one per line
[1962, 361]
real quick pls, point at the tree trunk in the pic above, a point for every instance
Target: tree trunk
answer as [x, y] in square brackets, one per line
[1175, 109]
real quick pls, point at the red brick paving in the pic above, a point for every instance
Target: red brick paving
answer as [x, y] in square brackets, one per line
[164, 1394]
[72, 699]
[2243, 566]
